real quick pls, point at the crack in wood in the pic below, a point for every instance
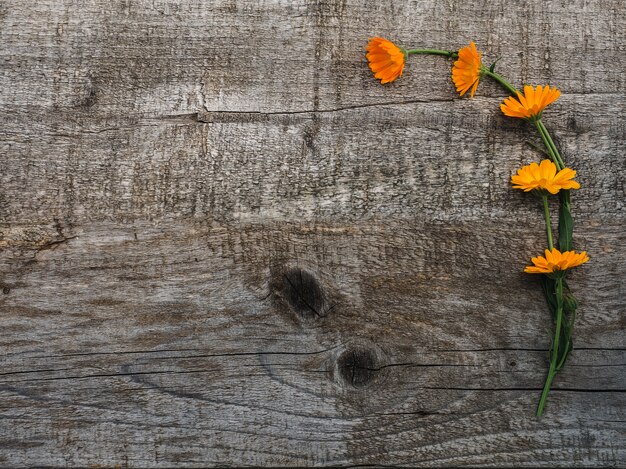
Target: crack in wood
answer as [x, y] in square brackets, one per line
[51, 246]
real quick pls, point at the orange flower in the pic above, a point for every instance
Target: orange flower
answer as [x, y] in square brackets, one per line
[531, 104]
[385, 59]
[543, 176]
[466, 70]
[555, 261]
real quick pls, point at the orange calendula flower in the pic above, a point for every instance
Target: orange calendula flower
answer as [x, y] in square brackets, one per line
[386, 59]
[555, 261]
[466, 70]
[543, 176]
[530, 104]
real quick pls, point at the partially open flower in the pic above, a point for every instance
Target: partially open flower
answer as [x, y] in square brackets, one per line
[543, 176]
[466, 70]
[386, 59]
[531, 104]
[556, 261]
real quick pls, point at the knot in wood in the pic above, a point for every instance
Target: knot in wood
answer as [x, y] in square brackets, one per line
[357, 366]
[303, 292]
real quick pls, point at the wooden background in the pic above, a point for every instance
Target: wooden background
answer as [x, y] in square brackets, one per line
[224, 243]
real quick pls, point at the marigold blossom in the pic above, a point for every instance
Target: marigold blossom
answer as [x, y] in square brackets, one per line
[386, 59]
[543, 176]
[466, 70]
[531, 104]
[555, 261]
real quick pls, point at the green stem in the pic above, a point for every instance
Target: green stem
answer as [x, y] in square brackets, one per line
[447, 53]
[546, 214]
[555, 348]
[500, 79]
[550, 143]
[566, 222]
[553, 156]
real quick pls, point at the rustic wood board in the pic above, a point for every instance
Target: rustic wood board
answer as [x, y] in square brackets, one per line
[222, 242]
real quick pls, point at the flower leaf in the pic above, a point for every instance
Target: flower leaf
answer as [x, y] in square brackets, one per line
[569, 346]
[548, 284]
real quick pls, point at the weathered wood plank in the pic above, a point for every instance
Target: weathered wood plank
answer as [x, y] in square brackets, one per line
[455, 164]
[223, 243]
[380, 271]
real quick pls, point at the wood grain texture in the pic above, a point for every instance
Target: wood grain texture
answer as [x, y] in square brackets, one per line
[222, 242]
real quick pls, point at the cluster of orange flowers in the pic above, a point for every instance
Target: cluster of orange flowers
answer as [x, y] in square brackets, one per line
[387, 61]
[547, 178]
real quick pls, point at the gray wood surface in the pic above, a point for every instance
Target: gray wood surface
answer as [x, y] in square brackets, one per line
[222, 242]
